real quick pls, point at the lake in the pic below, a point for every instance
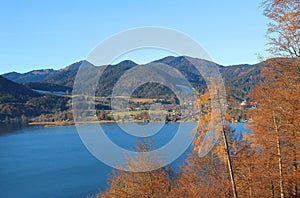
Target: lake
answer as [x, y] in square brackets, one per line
[37, 161]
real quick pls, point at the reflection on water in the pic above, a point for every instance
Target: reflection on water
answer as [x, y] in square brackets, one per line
[11, 127]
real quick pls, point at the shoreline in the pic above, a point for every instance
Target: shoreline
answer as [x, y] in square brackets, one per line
[68, 123]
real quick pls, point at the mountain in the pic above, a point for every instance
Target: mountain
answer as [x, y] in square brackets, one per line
[240, 78]
[32, 76]
[19, 100]
[16, 101]
[63, 79]
[48, 79]
[11, 91]
[67, 75]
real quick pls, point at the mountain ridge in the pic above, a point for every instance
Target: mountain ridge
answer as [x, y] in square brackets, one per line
[31, 76]
[63, 79]
[166, 60]
[241, 79]
[14, 89]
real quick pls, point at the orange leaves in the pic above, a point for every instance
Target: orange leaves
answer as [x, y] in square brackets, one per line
[156, 183]
[283, 31]
[275, 123]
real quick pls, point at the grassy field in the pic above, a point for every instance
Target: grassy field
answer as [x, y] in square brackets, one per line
[124, 97]
[134, 113]
[139, 99]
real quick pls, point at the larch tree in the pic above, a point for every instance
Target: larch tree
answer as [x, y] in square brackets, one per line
[127, 184]
[213, 139]
[283, 28]
[275, 123]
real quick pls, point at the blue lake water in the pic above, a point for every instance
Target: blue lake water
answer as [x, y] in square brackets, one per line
[37, 161]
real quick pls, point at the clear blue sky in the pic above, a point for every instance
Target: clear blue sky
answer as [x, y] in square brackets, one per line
[53, 34]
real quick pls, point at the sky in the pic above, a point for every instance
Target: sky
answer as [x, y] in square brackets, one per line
[54, 34]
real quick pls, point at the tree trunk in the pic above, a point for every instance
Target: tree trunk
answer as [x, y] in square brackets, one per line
[250, 182]
[229, 164]
[278, 146]
[272, 189]
[295, 167]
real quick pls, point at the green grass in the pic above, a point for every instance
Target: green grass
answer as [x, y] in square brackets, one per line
[142, 99]
[138, 99]
[128, 113]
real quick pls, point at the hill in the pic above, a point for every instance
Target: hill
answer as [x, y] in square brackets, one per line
[11, 91]
[18, 101]
[32, 76]
[66, 76]
[239, 78]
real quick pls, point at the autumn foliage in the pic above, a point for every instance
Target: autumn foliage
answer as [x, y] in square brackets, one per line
[265, 163]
